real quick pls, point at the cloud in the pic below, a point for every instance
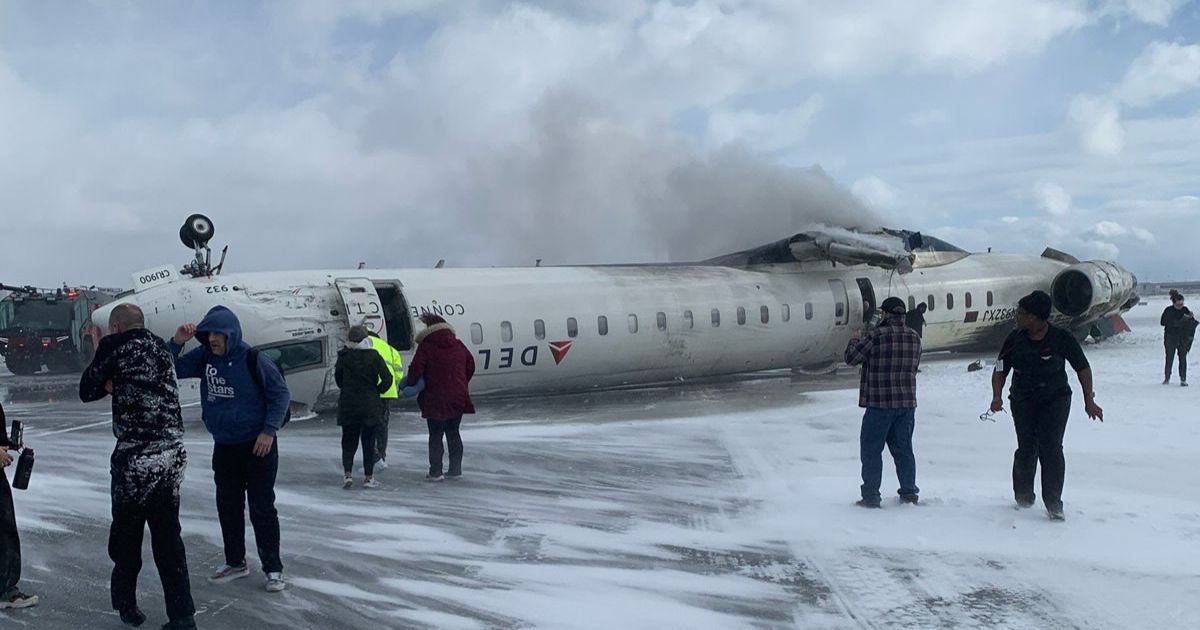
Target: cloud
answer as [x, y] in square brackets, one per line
[1096, 123]
[1010, 220]
[1053, 199]
[1162, 70]
[764, 131]
[928, 118]
[1157, 12]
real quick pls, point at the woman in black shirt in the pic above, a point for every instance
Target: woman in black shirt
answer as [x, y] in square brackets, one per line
[1179, 328]
[1037, 354]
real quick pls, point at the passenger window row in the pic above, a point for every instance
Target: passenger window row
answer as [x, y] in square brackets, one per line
[689, 322]
[931, 301]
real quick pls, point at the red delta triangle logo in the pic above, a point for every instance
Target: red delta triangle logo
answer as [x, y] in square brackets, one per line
[559, 349]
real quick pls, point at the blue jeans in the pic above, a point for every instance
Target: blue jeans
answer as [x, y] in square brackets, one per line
[893, 427]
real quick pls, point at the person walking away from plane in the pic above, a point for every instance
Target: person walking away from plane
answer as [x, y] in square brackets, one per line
[362, 378]
[10, 542]
[395, 365]
[243, 410]
[147, 465]
[1036, 353]
[1179, 330]
[446, 366]
[889, 355]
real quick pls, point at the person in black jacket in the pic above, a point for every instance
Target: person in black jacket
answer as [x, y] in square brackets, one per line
[10, 542]
[135, 366]
[1037, 354]
[1179, 329]
[363, 377]
[915, 319]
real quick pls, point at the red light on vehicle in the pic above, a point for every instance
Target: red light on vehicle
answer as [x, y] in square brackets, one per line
[71, 295]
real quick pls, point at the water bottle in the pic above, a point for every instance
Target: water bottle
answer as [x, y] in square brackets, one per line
[17, 434]
[24, 469]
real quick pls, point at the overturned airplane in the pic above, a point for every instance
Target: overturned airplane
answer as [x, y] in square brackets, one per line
[788, 304]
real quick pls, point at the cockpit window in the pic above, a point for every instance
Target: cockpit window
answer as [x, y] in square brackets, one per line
[296, 356]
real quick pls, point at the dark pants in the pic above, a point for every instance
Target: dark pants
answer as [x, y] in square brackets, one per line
[893, 427]
[129, 523]
[449, 428]
[1041, 422]
[351, 435]
[381, 431]
[1175, 345]
[242, 476]
[10, 543]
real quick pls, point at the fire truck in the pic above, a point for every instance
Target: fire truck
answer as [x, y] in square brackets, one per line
[50, 328]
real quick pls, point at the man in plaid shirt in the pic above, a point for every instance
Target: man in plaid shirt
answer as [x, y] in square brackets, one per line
[889, 355]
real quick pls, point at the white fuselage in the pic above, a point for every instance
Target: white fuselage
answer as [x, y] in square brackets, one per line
[571, 328]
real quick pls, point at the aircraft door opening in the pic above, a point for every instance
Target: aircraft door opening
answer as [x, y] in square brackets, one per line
[868, 298]
[363, 306]
[395, 315]
[841, 303]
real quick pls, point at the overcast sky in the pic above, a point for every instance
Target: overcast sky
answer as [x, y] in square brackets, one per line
[321, 134]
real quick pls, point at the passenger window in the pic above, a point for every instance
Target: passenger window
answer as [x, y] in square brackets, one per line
[716, 317]
[292, 357]
[912, 303]
[506, 332]
[989, 298]
[764, 314]
[950, 301]
[476, 334]
[967, 300]
[787, 312]
[539, 329]
[572, 327]
[839, 310]
[808, 310]
[602, 325]
[688, 322]
[741, 315]
[930, 303]
[662, 321]
[632, 323]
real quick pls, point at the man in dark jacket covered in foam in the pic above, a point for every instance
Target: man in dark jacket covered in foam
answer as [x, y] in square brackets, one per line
[134, 365]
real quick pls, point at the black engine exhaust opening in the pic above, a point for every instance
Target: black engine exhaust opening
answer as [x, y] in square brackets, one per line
[1072, 292]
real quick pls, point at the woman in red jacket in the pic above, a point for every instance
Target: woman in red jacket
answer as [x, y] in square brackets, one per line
[447, 367]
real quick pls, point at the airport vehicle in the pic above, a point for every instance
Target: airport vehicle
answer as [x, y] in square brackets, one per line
[788, 304]
[49, 328]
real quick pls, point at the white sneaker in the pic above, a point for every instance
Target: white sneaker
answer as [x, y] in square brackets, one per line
[381, 464]
[371, 483]
[17, 599]
[275, 582]
[433, 478]
[347, 482]
[227, 573]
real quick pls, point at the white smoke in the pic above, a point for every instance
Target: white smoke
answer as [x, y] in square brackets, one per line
[584, 187]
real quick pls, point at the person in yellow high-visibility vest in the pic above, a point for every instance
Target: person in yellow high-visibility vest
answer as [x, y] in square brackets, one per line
[391, 357]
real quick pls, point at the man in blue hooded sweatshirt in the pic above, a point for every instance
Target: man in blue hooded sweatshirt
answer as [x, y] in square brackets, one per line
[242, 411]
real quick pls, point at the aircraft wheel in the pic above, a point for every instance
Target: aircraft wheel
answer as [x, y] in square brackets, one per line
[196, 230]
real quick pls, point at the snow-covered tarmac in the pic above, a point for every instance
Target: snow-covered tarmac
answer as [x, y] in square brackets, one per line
[719, 506]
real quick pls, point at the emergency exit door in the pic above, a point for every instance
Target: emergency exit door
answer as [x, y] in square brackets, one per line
[868, 298]
[362, 303]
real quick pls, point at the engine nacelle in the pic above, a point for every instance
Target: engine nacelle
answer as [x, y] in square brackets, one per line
[1092, 289]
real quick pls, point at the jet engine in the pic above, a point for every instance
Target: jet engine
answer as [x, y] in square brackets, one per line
[1092, 289]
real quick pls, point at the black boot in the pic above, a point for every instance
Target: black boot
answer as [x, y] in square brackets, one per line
[133, 616]
[183, 623]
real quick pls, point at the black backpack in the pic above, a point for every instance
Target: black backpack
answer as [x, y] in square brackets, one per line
[252, 368]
